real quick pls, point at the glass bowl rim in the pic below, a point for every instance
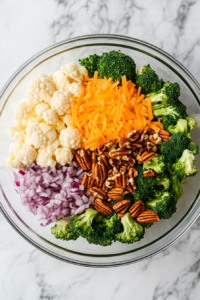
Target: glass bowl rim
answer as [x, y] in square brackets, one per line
[90, 37]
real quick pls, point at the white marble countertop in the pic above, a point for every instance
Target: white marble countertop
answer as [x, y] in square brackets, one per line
[27, 27]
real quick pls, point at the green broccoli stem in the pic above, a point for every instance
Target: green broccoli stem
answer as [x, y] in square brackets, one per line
[164, 112]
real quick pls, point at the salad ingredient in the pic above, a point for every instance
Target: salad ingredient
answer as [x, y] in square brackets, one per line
[160, 97]
[163, 203]
[174, 108]
[184, 166]
[41, 108]
[148, 80]
[173, 148]
[45, 159]
[90, 63]
[146, 218]
[61, 81]
[23, 110]
[137, 208]
[41, 89]
[61, 102]
[62, 230]
[16, 133]
[50, 116]
[164, 182]
[133, 231]
[70, 137]
[52, 193]
[20, 154]
[194, 149]
[157, 164]
[191, 123]
[74, 72]
[63, 156]
[181, 126]
[76, 89]
[177, 189]
[115, 64]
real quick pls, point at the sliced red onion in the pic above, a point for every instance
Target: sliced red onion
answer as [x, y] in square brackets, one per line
[52, 193]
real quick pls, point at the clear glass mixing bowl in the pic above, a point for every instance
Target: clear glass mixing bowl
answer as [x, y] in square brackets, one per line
[161, 234]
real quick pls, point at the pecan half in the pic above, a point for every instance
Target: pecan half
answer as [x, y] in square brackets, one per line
[133, 136]
[149, 173]
[83, 154]
[164, 134]
[122, 206]
[132, 172]
[145, 157]
[81, 162]
[131, 187]
[110, 144]
[103, 207]
[84, 180]
[137, 208]
[120, 180]
[148, 216]
[101, 149]
[155, 139]
[119, 152]
[135, 145]
[104, 159]
[97, 192]
[104, 187]
[114, 162]
[144, 136]
[124, 143]
[151, 146]
[90, 182]
[122, 169]
[94, 158]
[116, 194]
[110, 183]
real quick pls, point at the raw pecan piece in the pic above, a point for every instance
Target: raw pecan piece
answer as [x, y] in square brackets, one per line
[81, 162]
[122, 169]
[84, 180]
[148, 216]
[116, 194]
[142, 150]
[137, 208]
[151, 147]
[91, 182]
[145, 157]
[133, 136]
[164, 134]
[132, 172]
[110, 183]
[94, 158]
[119, 152]
[120, 215]
[104, 159]
[149, 173]
[129, 163]
[124, 143]
[135, 145]
[97, 192]
[155, 139]
[122, 206]
[110, 144]
[85, 158]
[144, 136]
[114, 162]
[101, 149]
[131, 187]
[103, 207]
[120, 180]
[104, 187]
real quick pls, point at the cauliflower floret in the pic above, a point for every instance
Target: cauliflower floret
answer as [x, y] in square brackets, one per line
[51, 148]
[14, 163]
[23, 109]
[60, 126]
[67, 119]
[76, 89]
[27, 155]
[44, 159]
[73, 72]
[12, 160]
[63, 156]
[83, 70]
[61, 102]
[38, 119]
[49, 133]
[35, 136]
[16, 133]
[70, 137]
[41, 108]
[41, 89]
[50, 116]
[61, 81]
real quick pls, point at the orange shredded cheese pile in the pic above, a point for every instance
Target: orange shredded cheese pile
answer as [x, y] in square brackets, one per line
[106, 111]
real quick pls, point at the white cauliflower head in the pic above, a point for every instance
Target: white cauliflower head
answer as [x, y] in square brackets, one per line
[23, 109]
[14, 163]
[73, 72]
[76, 89]
[13, 159]
[67, 119]
[61, 81]
[16, 133]
[63, 156]
[41, 89]
[27, 155]
[61, 102]
[41, 108]
[50, 116]
[39, 135]
[44, 159]
[83, 70]
[70, 138]
[51, 148]
[60, 126]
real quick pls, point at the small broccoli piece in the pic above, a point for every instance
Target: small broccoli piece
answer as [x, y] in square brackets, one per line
[116, 64]
[144, 185]
[157, 164]
[82, 224]
[169, 91]
[63, 230]
[91, 63]
[181, 126]
[168, 121]
[148, 80]
[164, 182]
[191, 123]
[175, 108]
[194, 149]
[164, 204]
[145, 225]
[184, 166]
[176, 189]
[133, 231]
[174, 147]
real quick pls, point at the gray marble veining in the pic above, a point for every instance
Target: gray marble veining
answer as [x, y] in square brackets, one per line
[29, 26]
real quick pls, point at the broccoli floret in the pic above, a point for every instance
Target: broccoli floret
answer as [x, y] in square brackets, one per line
[133, 231]
[63, 230]
[191, 123]
[116, 64]
[145, 225]
[181, 126]
[157, 164]
[184, 166]
[164, 204]
[176, 189]
[194, 149]
[144, 185]
[169, 91]
[174, 147]
[168, 121]
[148, 80]
[175, 108]
[82, 224]
[91, 63]
[164, 182]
